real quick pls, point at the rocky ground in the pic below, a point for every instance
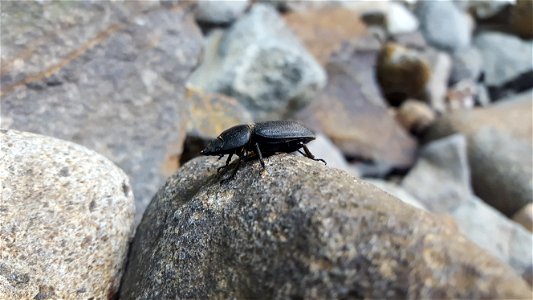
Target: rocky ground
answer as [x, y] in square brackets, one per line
[422, 109]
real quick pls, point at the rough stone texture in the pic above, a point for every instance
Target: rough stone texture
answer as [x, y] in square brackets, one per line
[499, 150]
[440, 180]
[300, 230]
[323, 30]
[504, 64]
[66, 219]
[107, 75]
[347, 110]
[262, 64]
[210, 114]
[444, 25]
[219, 12]
[525, 217]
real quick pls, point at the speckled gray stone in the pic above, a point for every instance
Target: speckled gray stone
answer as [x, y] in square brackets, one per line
[108, 75]
[66, 217]
[300, 230]
[260, 62]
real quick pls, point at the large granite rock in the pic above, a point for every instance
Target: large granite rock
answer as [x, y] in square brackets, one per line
[262, 64]
[300, 230]
[441, 181]
[107, 75]
[499, 150]
[347, 110]
[66, 216]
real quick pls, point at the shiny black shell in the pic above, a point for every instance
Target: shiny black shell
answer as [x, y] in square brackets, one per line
[271, 137]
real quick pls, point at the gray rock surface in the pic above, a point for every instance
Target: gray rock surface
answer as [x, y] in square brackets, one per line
[466, 64]
[300, 230]
[505, 57]
[262, 64]
[441, 182]
[444, 25]
[347, 108]
[441, 161]
[66, 220]
[499, 150]
[219, 12]
[107, 75]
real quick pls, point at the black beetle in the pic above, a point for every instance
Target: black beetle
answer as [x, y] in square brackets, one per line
[265, 138]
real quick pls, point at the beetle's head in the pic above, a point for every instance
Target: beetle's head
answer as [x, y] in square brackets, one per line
[214, 147]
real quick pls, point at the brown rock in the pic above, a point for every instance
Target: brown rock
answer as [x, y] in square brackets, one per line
[402, 73]
[352, 113]
[525, 217]
[301, 230]
[415, 116]
[323, 30]
[521, 18]
[499, 150]
[66, 219]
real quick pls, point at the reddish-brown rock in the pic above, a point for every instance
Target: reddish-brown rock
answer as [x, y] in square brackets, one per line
[353, 114]
[323, 30]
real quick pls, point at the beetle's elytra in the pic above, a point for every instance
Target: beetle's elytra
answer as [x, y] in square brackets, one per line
[263, 139]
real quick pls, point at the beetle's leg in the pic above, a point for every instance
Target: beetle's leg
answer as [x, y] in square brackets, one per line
[310, 155]
[227, 163]
[234, 171]
[260, 155]
[220, 156]
[236, 168]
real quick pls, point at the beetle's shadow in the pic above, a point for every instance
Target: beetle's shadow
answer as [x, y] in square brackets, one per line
[234, 167]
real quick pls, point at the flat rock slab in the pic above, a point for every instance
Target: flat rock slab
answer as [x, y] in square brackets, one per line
[66, 216]
[300, 230]
[106, 75]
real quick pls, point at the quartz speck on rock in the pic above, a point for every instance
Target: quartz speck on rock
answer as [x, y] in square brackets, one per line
[299, 229]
